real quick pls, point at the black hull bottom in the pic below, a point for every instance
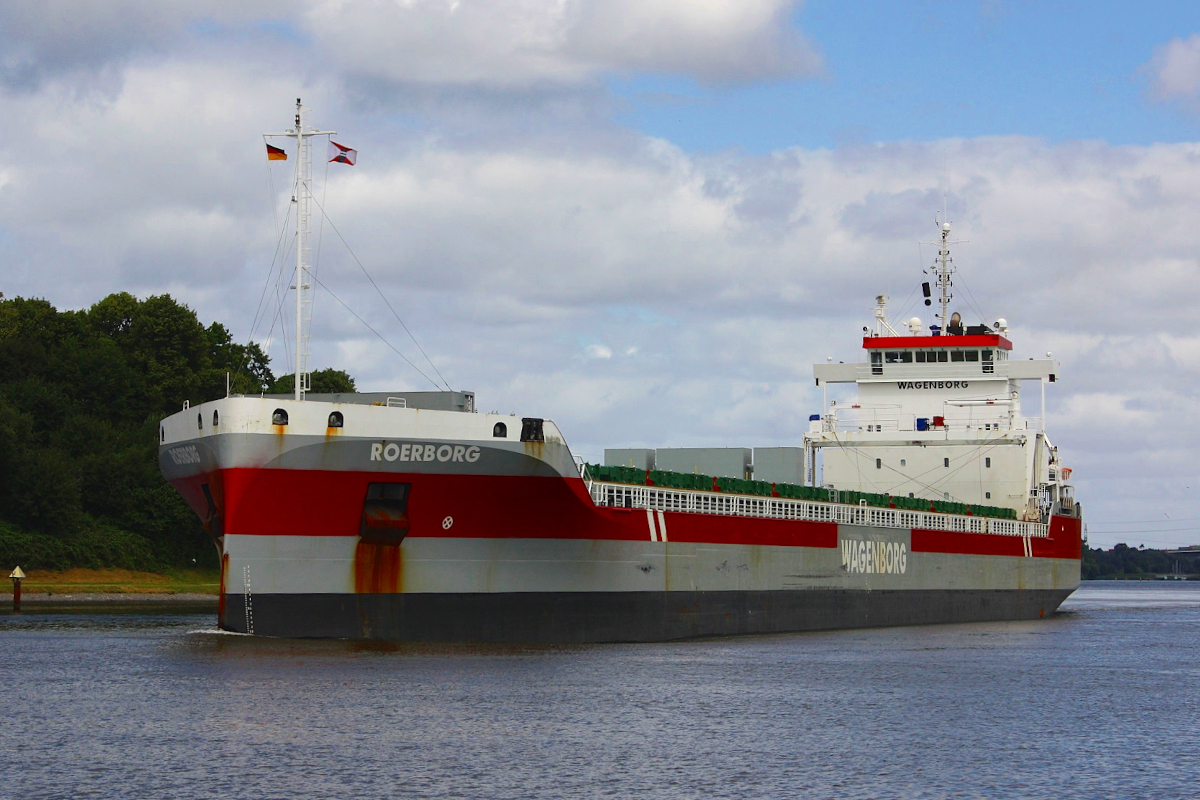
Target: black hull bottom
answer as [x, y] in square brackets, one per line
[575, 617]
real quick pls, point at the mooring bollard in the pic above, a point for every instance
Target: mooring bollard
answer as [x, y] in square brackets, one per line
[16, 576]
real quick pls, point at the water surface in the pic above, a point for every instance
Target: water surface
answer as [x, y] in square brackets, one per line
[1099, 701]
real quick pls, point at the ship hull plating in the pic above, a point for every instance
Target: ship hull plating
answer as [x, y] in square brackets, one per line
[578, 617]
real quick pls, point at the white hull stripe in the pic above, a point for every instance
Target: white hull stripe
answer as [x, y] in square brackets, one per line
[650, 522]
[662, 526]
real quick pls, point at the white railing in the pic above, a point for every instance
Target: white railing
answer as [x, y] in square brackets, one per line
[622, 495]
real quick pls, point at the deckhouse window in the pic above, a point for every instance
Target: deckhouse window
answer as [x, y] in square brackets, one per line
[876, 362]
[972, 355]
[958, 355]
[279, 417]
[500, 431]
[879, 463]
[946, 462]
[200, 422]
[987, 462]
[336, 420]
[216, 418]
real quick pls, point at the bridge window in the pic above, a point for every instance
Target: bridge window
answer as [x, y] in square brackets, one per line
[958, 355]
[279, 417]
[876, 362]
[972, 355]
[500, 431]
[336, 420]
[988, 366]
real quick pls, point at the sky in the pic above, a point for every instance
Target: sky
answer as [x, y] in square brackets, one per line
[644, 220]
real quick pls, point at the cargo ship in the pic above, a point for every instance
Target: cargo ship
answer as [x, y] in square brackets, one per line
[927, 498]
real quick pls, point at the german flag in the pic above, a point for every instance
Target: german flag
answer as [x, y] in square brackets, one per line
[275, 154]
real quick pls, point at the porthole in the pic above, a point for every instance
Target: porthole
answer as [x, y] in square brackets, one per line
[335, 419]
[279, 417]
[904, 462]
[500, 430]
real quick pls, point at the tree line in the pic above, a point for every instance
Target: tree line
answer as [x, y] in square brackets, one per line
[1125, 562]
[81, 395]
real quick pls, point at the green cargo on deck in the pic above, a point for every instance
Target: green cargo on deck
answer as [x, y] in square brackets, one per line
[707, 483]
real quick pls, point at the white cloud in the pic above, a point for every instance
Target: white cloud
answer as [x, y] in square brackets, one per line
[1174, 71]
[598, 351]
[521, 42]
[493, 43]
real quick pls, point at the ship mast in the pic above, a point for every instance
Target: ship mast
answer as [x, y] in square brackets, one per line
[302, 198]
[945, 268]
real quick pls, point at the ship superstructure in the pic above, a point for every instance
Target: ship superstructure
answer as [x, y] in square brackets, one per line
[409, 515]
[938, 415]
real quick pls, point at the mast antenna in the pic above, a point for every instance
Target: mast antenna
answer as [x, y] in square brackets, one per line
[944, 268]
[302, 197]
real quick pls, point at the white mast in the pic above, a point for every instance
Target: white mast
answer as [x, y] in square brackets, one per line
[301, 196]
[945, 267]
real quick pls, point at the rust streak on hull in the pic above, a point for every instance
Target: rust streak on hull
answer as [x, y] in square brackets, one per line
[377, 568]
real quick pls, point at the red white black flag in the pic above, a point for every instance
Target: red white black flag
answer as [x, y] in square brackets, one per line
[340, 154]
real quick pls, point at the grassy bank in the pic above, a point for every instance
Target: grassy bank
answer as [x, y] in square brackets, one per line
[117, 581]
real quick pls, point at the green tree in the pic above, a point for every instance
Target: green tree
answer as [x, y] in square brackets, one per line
[81, 394]
[325, 381]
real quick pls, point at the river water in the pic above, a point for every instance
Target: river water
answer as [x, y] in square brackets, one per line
[1102, 700]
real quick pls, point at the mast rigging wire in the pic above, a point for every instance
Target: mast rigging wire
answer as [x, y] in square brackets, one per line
[377, 333]
[386, 302]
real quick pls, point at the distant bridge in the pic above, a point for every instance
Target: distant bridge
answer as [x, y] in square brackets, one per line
[1191, 551]
[1179, 554]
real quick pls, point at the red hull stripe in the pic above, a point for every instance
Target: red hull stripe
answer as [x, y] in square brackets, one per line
[1063, 542]
[277, 502]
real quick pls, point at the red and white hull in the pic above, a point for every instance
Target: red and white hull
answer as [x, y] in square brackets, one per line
[499, 539]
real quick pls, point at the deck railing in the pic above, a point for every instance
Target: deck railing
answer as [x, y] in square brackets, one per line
[621, 495]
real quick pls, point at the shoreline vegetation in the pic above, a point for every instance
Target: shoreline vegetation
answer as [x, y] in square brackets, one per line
[81, 396]
[114, 583]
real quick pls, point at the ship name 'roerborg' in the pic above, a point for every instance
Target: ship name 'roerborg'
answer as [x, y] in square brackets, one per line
[928, 498]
